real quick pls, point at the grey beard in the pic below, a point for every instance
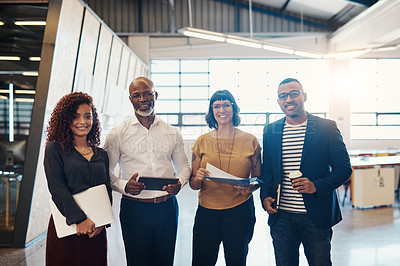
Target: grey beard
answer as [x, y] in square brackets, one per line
[145, 114]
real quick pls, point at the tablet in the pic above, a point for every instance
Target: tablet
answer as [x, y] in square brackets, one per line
[157, 183]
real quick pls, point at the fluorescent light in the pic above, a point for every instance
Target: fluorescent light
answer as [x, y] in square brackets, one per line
[10, 58]
[24, 100]
[351, 54]
[308, 54]
[243, 42]
[4, 91]
[25, 91]
[278, 49]
[30, 73]
[11, 113]
[249, 42]
[34, 58]
[30, 23]
[1, 23]
[4, 97]
[203, 34]
[385, 49]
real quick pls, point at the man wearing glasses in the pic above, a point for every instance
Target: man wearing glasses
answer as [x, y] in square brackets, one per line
[308, 206]
[144, 145]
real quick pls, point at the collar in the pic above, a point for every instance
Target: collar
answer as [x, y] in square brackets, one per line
[310, 117]
[135, 120]
[297, 125]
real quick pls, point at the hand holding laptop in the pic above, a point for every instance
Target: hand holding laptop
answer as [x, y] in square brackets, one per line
[85, 228]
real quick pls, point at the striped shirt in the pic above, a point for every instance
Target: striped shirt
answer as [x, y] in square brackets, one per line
[292, 148]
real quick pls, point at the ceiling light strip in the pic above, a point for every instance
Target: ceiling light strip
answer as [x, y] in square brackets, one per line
[30, 73]
[278, 49]
[34, 58]
[25, 91]
[248, 42]
[30, 23]
[10, 58]
[24, 100]
[216, 36]
[244, 43]
[11, 113]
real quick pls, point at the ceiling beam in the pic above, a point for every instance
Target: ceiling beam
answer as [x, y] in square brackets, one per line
[283, 8]
[367, 3]
[381, 22]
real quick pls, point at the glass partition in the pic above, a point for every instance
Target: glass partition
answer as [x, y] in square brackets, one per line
[20, 51]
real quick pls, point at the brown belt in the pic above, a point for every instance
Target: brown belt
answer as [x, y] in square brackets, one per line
[153, 200]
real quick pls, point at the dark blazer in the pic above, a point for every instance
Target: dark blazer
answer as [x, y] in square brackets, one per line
[324, 161]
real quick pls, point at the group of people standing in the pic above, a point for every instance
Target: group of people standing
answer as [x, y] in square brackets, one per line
[145, 145]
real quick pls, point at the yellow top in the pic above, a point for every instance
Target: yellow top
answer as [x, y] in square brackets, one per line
[221, 196]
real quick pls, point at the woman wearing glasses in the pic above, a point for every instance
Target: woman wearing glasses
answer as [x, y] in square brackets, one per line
[225, 212]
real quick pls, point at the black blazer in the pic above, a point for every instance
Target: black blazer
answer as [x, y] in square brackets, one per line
[324, 161]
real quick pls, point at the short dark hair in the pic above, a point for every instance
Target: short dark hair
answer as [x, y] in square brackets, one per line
[288, 80]
[222, 95]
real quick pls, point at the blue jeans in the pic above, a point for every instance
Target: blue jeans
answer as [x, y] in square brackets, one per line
[291, 229]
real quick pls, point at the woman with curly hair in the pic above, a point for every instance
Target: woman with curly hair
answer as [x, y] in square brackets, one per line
[73, 163]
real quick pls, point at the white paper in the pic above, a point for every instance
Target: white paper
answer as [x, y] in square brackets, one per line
[215, 172]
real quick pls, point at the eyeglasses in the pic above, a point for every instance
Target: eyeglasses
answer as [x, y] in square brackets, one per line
[293, 94]
[146, 95]
[225, 106]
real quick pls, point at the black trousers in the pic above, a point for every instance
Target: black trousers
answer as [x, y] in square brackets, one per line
[149, 232]
[233, 227]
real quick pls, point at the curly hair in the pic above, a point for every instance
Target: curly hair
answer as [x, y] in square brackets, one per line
[59, 128]
[222, 95]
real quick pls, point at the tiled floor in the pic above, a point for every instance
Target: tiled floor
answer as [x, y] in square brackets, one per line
[364, 237]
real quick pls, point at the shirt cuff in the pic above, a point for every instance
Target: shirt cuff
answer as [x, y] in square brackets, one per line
[183, 181]
[121, 186]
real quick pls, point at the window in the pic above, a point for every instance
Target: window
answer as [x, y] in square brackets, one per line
[374, 99]
[185, 87]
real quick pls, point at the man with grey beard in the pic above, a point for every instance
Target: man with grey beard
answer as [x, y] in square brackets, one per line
[144, 145]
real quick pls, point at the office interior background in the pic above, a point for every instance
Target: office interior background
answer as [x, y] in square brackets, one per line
[346, 53]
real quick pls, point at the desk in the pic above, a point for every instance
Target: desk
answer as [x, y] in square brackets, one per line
[372, 161]
[390, 151]
[373, 186]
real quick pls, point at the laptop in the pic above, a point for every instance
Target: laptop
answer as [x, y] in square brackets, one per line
[94, 202]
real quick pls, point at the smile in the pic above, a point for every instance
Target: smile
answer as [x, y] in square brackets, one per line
[290, 107]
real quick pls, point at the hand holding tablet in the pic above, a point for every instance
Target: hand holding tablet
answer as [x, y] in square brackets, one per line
[157, 183]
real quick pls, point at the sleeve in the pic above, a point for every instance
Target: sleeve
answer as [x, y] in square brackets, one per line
[57, 184]
[339, 162]
[256, 146]
[112, 146]
[196, 147]
[268, 187]
[180, 160]
[108, 181]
